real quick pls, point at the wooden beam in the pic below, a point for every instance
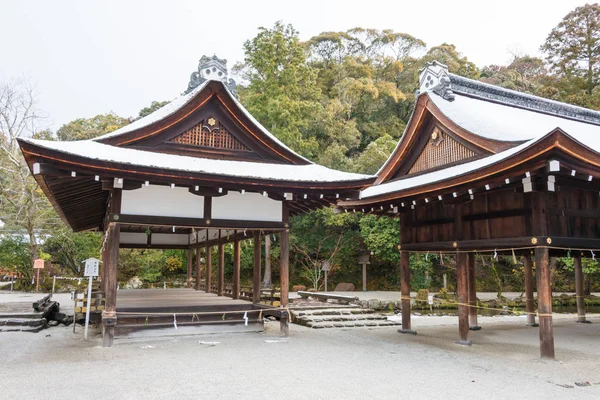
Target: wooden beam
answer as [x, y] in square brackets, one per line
[208, 278]
[472, 284]
[221, 272]
[405, 292]
[207, 207]
[207, 191]
[109, 314]
[284, 258]
[463, 298]
[579, 292]
[256, 268]
[198, 267]
[193, 222]
[529, 302]
[544, 290]
[190, 255]
[236, 269]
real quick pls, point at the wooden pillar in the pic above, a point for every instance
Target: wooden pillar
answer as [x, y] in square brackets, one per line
[284, 257]
[579, 293]
[221, 270]
[463, 298]
[472, 293]
[544, 290]
[256, 269]
[405, 292]
[198, 267]
[113, 232]
[208, 270]
[103, 265]
[529, 303]
[190, 263]
[237, 249]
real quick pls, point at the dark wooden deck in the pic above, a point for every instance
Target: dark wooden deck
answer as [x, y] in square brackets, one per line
[152, 312]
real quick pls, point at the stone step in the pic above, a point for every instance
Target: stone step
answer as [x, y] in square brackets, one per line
[361, 317]
[330, 311]
[353, 324]
[22, 324]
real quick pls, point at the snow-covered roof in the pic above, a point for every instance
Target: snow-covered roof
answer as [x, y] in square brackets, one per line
[157, 115]
[498, 121]
[244, 169]
[440, 175]
[180, 102]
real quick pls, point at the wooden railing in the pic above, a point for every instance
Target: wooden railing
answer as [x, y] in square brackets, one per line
[267, 296]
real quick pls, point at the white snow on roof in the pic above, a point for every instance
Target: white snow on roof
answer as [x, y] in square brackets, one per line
[157, 115]
[243, 169]
[440, 175]
[505, 123]
[181, 101]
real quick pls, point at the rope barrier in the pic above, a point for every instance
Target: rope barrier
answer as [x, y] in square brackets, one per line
[504, 249]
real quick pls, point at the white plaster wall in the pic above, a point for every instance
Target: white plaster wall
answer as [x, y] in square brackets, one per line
[248, 207]
[133, 238]
[162, 201]
[169, 238]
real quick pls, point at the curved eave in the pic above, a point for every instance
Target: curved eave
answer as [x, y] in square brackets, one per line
[208, 91]
[533, 155]
[93, 166]
[423, 108]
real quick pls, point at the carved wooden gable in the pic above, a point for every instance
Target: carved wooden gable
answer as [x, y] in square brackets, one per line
[210, 133]
[441, 149]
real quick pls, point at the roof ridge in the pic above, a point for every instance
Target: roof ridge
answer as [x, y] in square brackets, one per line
[486, 91]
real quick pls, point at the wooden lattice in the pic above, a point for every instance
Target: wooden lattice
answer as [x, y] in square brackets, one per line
[210, 133]
[440, 150]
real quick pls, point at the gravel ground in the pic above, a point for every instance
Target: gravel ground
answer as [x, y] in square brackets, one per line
[315, 364]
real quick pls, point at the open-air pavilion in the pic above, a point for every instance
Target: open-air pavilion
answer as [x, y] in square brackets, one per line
[481, 169]
[197, 173]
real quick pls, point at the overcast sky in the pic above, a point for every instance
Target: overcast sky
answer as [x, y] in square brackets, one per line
[92, 57]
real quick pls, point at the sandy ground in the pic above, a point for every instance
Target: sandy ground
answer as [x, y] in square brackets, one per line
[363, 363]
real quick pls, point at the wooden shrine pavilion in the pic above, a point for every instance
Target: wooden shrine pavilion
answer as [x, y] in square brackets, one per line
[482, 169]
[197, 173]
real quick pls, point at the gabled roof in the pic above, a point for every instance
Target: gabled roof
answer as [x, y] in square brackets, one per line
[204, 140]
[504, 123]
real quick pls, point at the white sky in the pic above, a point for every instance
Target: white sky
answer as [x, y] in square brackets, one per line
[92, 57]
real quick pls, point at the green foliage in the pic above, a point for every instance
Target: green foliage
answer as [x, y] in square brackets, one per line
[382, 237]
[573, 47]
[68, 250]
[282, 91]
[155, 105]
[14, 255]
[89, 128]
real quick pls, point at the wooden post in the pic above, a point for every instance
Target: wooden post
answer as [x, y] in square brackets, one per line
[109, 315]
[529, 304]
[463, 298]
[284, 257]
[544, 290]
[405, 292]
[267, 275]
[208, 270]
[221, 271]
[103, 269]
[256, 269]
[198, 267]
[472, 293]
[190, 263]
[237, 249]
[579, 290]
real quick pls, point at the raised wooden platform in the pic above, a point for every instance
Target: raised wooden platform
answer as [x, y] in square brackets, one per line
[155, 312]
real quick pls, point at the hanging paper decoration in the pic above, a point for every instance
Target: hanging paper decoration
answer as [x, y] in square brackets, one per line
[175, 321]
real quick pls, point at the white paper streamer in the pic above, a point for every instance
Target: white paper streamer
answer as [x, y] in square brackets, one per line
[246, 318]
[175, 321]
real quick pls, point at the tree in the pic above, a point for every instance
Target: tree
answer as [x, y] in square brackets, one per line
[282, 92]
[155, 105]
[23, 207]
[89, 128]
[573, 47]
[68, 249]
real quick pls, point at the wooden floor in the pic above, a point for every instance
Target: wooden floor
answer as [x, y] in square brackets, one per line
[172, 298]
